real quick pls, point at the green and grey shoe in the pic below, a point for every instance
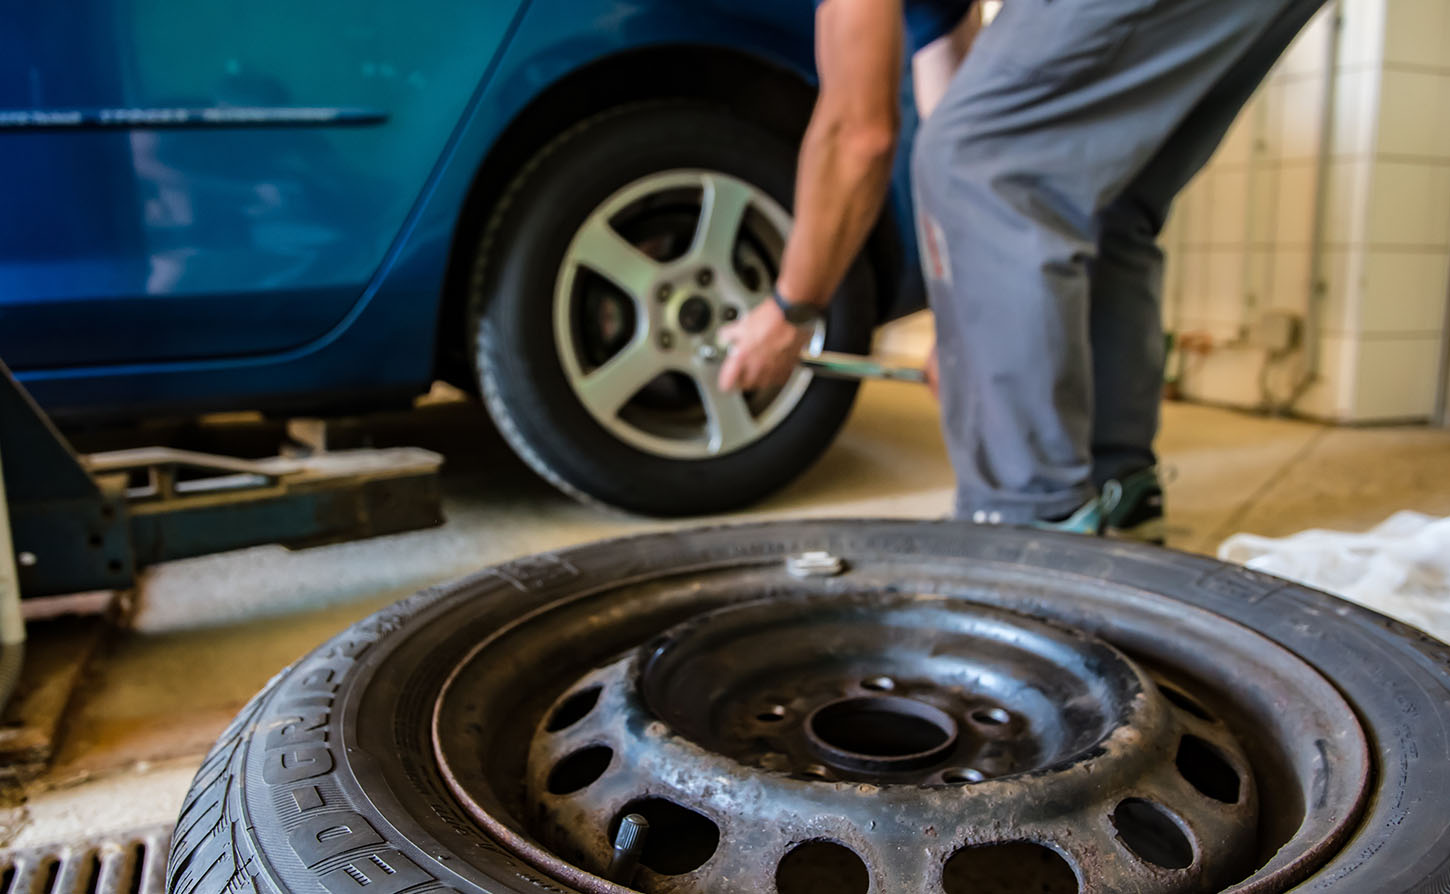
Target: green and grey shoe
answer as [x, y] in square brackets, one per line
[1092, 517]
[1138, 514]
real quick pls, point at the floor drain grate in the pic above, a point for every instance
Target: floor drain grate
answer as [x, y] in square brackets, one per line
[128, 863]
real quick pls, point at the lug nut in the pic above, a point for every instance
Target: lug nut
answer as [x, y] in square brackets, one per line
[705, 277]
[663, 292]
[666, 340]
[729, 313]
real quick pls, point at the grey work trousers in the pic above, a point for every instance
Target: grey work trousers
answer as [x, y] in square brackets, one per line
[1042, 181]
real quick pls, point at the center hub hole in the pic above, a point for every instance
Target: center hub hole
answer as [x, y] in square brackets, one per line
[695, 315]
[883, 732]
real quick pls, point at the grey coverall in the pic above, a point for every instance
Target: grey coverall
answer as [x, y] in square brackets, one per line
[1042, 181]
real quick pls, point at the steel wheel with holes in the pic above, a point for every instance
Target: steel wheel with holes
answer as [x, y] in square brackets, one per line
[850, 707]
[600, 288]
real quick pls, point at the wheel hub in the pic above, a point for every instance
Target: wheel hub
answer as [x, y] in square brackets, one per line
[897, 727]
[695, 315]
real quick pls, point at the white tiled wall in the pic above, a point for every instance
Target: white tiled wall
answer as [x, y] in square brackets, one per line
[1241, 235]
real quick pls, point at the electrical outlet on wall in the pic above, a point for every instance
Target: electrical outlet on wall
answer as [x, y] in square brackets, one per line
[1277, 331]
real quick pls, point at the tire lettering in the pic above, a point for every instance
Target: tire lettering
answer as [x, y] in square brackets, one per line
[302, 727]
[321, 837]
[296, 764]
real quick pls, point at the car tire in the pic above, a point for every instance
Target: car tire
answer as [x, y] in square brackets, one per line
[330, 779]
[516, 292]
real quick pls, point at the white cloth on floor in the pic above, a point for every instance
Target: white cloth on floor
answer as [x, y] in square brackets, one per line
[1400, 568]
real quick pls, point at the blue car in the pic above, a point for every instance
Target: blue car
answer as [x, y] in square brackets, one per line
[322, 207]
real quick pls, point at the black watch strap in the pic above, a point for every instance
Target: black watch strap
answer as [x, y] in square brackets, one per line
[796, 313]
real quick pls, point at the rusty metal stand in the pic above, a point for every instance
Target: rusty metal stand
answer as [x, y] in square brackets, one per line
[91, 522]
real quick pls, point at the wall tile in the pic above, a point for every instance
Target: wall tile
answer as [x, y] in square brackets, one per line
[1405, 292]
[1414, 115]
[1294, 216]
[1270, 123]
[1397, 378]
[1302, 117]
[1289, 287]
[1263, 204]
[1415, 32]
[1223, 300]
[1409, 205]
[1228, 213]
[1259, 276]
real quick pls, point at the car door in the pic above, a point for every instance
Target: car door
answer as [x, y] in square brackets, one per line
[222, 178]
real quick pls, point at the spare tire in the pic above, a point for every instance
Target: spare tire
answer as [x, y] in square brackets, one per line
[1092, 715]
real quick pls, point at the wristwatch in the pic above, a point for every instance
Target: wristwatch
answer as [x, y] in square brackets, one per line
[797, 313]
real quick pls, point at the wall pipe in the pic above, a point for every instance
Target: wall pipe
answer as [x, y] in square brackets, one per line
[1318, 287]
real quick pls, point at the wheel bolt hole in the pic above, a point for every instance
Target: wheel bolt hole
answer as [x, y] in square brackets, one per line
[958, 775]
[679, 841]
[773, 714]
[822, 866]
[1152, 834]
[991, 717]
[1015, 866]
[573, 709]
[879, 684]
[580, 769]
[1206, 769]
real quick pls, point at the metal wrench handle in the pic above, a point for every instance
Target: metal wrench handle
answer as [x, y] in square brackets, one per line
[855, 366]
[837, 365]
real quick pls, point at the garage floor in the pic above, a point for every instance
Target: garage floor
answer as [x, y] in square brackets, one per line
[209, 632]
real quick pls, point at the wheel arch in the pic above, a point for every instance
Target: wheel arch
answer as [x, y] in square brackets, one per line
[730, 77]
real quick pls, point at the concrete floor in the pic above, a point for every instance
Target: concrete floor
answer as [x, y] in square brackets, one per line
[209, 632]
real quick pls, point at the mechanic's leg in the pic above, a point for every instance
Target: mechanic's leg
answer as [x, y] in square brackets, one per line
[1127, 275]
[1058, 109]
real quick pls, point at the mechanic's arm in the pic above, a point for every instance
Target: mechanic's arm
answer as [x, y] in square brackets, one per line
[844, 172]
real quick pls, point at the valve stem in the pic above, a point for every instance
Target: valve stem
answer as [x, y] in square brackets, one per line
[628, 843]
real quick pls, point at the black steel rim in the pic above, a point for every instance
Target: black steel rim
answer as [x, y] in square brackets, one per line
[1168, 749]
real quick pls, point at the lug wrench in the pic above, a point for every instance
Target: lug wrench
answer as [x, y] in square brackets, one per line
[838, 365]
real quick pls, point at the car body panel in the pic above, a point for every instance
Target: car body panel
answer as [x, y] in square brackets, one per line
[195, 265]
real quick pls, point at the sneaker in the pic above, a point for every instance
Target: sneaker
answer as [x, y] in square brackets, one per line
[1138, 514]
[1092, 517]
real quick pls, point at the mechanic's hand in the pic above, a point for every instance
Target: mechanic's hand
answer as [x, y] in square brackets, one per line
[763, 349]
